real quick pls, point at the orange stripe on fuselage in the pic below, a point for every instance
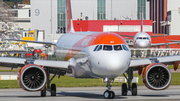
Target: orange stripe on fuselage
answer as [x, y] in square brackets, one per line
[94, 39]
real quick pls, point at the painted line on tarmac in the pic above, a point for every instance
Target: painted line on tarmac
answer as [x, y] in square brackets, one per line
[8, 77]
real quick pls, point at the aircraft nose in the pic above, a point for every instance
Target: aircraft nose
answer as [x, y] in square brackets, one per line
[143, 44]
[116, 63]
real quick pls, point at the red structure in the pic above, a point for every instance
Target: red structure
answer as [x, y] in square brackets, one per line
[97, 25]
[158, 13]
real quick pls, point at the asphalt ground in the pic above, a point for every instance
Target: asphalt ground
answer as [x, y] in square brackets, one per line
[88, 93]
[91, 94]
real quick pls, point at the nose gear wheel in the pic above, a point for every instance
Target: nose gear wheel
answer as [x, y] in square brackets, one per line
[109, 94]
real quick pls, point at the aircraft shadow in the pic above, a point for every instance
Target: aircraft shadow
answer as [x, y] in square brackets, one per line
[85, 95]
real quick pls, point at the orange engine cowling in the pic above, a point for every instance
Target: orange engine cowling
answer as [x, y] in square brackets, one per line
[32, 77]
[156, 76]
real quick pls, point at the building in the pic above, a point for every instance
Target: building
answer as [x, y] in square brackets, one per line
[166, 16]
[22, 17]
[49, 15]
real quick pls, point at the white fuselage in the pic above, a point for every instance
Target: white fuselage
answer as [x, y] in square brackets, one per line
[142, 40]
[93, 60]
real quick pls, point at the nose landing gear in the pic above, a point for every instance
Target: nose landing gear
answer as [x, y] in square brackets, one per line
[108, 94]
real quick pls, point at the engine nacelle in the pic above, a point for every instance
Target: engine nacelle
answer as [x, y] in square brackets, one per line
[32, 77]
[156, 76]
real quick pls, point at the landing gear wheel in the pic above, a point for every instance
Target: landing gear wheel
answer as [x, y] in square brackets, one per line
[134, 89]
[43, 92]
[53, 90]
[106, 94]
[124, 89]
[112, 95]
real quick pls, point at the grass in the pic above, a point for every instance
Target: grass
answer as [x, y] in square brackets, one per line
[66, 81]
[9, 70]
[172, 67]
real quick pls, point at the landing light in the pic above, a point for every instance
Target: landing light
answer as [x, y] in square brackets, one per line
[111, 41]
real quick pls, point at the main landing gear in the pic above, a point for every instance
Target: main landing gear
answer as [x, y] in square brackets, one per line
[125, 88]
[51, 89]
[108, 94]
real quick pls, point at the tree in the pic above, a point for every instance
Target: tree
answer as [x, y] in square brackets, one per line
[11, 3]
[26, 2]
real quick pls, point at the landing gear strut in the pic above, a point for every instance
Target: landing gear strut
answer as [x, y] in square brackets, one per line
[108, 94]
[52, 89]
[132, 88]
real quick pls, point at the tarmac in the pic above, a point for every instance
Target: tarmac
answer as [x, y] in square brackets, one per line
[91, 94]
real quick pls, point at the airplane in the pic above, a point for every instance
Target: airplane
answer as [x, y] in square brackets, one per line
[103, 55]
[143, 40]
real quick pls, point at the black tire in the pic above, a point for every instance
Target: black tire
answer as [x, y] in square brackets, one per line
[43, 92]
[112, 95]
[53, 90]
[106, 94]
[124, 89]
[134, 89]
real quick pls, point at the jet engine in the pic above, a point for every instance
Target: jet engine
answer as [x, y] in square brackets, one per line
[32, 77]
[156, 76]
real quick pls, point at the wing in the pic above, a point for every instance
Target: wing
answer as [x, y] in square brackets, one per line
[165, 60]
[47, 63]
[127, 36]
[158, 36]
[160, 44]
[175, 40]
[39, 42]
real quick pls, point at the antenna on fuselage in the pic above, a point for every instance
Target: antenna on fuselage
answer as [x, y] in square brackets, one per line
[69, 20]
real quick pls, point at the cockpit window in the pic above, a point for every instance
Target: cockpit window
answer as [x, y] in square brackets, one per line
[125, 47]
[99, 48]
[144, 38]
[96, 47]
[117, 47]
[107, 47]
